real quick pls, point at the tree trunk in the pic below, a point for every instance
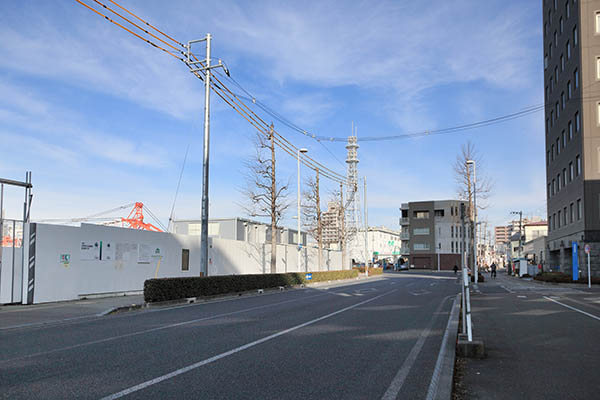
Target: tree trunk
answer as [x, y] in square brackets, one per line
[319, 227]
[273, 205]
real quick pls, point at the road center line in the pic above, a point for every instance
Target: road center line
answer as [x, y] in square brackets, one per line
[398, 381]
[573, 308]
[236, 350]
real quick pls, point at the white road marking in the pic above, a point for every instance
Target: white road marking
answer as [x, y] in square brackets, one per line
[507, 289]
[236, 350]
[400, 377]
[159, 328]
[573, 308]
[437, 371]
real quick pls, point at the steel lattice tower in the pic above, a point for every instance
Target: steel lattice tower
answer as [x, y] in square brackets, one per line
[352, 192]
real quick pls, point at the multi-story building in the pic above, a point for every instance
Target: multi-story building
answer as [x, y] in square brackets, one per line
[434, 233]
[572, 115]
[331, 225]
[382, 244]
[502, 234]
[239, 229]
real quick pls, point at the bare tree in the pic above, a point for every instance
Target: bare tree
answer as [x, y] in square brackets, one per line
[463, 175]
[311, 213]
[265, 196]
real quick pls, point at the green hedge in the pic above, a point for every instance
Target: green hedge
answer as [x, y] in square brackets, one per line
[165, 289]
[561, 277]
[372, 271]
[332, 275]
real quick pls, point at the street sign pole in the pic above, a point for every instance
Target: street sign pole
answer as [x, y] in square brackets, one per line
[587, 251]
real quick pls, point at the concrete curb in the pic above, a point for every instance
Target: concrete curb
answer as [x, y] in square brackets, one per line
[191, 300]
[443, 374]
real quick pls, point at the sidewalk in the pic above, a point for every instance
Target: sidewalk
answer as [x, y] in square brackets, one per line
[536, 348]
[19, 316]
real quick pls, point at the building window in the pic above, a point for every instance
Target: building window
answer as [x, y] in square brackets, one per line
[555, 39]
[564, 139]
[552, 152]
[568, 50]
[562, 25]
[559, 212]
[554, 221]
[550, 50]
[571, 171]
[551, 118]
[553, 187]
[185, 259]
[551, 84]
[577, 165]
[451, 231]
[579, 210]
[549, 191]
[570, 130]
[547, 125]
[576, 78]
[564, 177]
[575, 39]
[569, 90]
[562, 63]
[568, 9]
[558, 183]
[564, 220]
[597, 21]
[421, 231]
[439, 213]
[557, 146]
[421, 246]
[556, 74]
[577, 124]
[548, 158]
[421, 214]
[452, 246]
[571, 213]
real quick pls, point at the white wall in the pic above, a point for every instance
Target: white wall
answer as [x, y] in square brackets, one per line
[7, 278]
[122, 271]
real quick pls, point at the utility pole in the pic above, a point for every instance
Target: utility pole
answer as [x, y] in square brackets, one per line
[520, 231]
[1, 225]
[342, 228]
[366, 232]
[195, 67]
[205, 163]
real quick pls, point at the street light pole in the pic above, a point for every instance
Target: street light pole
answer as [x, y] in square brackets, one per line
[298, 235]
[475, 268]
[366, 232]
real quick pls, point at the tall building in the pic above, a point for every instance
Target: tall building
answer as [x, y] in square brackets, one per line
[572, 113]
[331, 224]
[502, 234]
[434, 233]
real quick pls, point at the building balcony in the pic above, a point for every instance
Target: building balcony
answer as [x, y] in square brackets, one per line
[404, 250]
[404, 235]
[404, 221]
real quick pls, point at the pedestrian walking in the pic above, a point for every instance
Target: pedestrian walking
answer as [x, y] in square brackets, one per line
[455, 269]
[494, 270]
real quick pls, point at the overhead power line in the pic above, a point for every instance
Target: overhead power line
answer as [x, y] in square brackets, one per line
[232, 99]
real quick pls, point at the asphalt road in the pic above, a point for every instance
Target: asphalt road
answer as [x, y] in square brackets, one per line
[364, 340]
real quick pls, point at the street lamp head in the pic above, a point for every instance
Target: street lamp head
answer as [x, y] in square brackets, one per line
[303, 150]
[470, 162]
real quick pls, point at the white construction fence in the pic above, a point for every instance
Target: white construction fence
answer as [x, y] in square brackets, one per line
[68, 263]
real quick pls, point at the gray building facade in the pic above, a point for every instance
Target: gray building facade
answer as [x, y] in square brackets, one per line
[572, 118]
[434, 234]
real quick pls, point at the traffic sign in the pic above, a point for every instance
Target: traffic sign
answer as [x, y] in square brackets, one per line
[308, 277]
[587, 249]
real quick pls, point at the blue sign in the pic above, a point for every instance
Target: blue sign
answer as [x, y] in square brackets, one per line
[575, 262]
[308, 277]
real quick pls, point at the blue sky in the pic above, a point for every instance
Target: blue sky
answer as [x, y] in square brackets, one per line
[103, 119]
